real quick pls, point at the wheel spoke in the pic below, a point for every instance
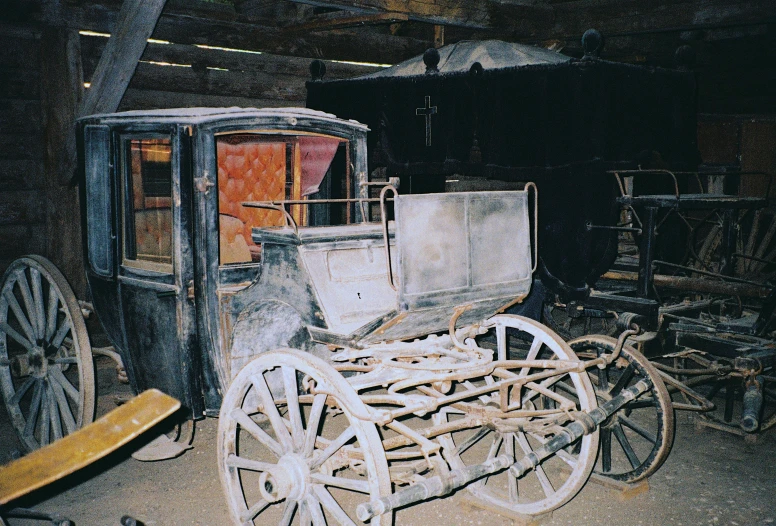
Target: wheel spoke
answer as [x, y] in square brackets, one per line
[247, 423]
[37, 393]
[20, 315]
[333, 447]
[622, 381]
[235, 461]
[29, 304]
[316, 513]
[21, 340]
[512, 481]
[619, 434]
[292, 401]
[533, 352]
[271, 410]
[628, 422]
[37, 298]
[361, 486]
[316, 411]
[332, 506]
[59, 337]
[64, 407]
[470, 441]
[70, 390]
[17, 396]
[606, 450]
[249, 514]
[288, 513]
[566, 457]
[56, 422]
[304, 514]
[53, 310]
[70, 360]
[538, 470]
[45, 417]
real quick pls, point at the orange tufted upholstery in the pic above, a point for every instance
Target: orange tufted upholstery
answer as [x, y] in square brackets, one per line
[247, 171]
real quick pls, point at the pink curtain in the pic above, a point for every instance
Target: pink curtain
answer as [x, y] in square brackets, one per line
[317, 154]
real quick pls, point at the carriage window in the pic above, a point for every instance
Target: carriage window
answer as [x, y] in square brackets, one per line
[148, 217]
[255, 167]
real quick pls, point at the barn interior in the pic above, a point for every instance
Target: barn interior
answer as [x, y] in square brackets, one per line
[697, 74]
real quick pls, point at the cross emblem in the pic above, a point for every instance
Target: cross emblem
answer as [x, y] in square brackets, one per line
[427, 112]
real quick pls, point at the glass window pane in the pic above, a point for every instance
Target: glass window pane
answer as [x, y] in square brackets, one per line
[149, 181]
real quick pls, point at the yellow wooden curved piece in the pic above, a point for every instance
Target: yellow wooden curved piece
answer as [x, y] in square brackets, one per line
[79, 449]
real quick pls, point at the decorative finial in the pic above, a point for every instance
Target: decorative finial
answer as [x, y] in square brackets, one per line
[684, 57]
[431, 60]
[317, 70]
[592, 44]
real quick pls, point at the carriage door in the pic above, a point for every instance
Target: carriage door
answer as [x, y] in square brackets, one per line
[156, 270]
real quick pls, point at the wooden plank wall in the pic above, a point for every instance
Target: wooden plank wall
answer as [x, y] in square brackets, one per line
[22, 218]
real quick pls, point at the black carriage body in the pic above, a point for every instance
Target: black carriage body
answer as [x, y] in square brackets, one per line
[172, 306]
[559, 122]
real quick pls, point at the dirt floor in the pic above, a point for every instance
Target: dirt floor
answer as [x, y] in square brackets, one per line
[709, 478]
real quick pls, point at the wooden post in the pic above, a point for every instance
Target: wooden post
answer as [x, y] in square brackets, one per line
[439, 36]
[61, 93]
[136, 22]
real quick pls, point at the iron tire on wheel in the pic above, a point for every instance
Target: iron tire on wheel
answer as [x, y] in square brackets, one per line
[273, 468]
[46, 367]
[653, 409]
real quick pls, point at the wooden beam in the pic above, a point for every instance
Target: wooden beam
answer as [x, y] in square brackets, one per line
[203, 58]
[330, 21]
[136, 23]
[464, 13]
[358, 45]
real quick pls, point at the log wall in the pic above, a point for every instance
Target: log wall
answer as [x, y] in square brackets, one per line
[22, 221]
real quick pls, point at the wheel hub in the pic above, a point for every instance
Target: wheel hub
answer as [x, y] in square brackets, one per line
[33, 363]
[290, 478]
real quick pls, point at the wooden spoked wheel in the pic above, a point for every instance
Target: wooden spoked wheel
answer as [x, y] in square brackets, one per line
[636, 440]
[46, 368]
[290, 448]
[754, 251]
[558, 478]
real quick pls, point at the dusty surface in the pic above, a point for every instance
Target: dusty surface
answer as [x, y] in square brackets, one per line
[709, 478]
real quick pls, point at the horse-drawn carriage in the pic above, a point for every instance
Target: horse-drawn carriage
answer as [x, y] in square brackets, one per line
[356, 348]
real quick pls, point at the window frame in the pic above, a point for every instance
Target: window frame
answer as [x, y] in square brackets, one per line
[127, 223]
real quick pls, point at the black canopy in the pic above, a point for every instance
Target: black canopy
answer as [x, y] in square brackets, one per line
[519, 113]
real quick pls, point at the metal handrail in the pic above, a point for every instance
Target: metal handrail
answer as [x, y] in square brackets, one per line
[384, 219]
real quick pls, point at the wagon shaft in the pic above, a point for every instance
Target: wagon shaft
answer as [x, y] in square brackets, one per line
[583, 424]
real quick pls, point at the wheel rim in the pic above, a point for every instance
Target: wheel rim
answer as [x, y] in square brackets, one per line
[46, 369]
[637, 439]
[560, 476]
[298, 458]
